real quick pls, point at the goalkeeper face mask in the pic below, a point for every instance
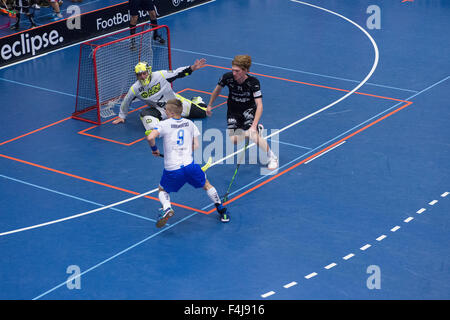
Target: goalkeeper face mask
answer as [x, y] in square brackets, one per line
[143, 73]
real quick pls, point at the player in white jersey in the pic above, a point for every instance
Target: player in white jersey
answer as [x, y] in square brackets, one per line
[155, 89]
[180, 139]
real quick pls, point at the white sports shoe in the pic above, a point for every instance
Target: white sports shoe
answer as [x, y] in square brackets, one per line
[197, 100]
[273, 163]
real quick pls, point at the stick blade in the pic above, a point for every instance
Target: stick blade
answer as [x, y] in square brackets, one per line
[207, 164]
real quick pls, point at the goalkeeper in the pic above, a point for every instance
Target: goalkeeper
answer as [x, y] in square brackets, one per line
[154, 88]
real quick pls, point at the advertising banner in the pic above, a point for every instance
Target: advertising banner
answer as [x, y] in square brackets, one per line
[77, 28]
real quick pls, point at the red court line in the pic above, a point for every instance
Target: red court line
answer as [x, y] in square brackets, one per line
[201, 91]
[408, 103]
[34, 131]
[110, 140]
[83, 132]
[94, 181]
[311, 84]
[212, 108]
[206, 65]
[206, 92]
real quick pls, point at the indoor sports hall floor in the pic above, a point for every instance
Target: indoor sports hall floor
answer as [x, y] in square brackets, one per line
[359, 208]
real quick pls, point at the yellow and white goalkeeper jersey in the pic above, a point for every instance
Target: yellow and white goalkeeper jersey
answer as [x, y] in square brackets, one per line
[157, 92]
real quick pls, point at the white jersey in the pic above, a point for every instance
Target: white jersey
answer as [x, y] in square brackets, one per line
[178, 136]
[157, 92]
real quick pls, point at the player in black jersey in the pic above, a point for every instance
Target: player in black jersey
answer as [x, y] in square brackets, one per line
[245, 105]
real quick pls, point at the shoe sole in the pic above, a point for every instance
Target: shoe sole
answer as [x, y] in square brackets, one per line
[162, 222]
[225, 220]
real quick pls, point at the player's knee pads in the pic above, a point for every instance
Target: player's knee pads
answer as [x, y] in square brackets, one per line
[149, 123]
[150, 117]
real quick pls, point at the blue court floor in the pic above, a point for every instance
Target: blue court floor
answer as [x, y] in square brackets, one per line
[358, 209]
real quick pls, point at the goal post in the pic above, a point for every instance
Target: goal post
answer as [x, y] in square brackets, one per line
[106, 69]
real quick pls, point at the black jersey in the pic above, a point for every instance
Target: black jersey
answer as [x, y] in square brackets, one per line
[241, 97]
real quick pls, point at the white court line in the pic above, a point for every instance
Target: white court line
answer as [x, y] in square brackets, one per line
[349, 256]
[294, 70]
[63, 284]
[78, 215]
[372, 70]
[290, 284]
[350, 130]
[271, 292]
[318, 156]
[331, 265]
[73, 197]
[268, 294]
[40, 88]
[290, 144]
[311, 275]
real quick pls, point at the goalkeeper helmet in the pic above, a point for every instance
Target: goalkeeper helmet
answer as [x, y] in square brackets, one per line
[142, 67]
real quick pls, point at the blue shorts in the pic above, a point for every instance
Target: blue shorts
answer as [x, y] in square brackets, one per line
[172, 181]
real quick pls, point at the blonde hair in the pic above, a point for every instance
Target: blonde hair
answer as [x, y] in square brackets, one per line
[175, 106]
[242, 61]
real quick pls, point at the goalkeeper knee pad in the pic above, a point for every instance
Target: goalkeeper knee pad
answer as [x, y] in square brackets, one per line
[149, 123]
[150, 117]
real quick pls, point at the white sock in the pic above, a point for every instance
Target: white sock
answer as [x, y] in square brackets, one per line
[213, 195]
[164, 198]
